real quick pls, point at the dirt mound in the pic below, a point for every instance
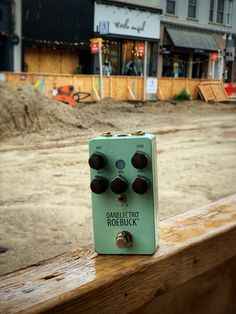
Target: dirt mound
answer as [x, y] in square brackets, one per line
[106, 114]
[23, 111]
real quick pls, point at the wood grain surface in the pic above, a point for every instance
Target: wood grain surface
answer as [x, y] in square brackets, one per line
[194, 244]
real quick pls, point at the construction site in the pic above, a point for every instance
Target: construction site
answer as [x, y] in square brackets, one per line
[117, 156]
[45, 197]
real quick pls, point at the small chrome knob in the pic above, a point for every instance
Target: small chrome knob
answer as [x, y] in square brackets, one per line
[124, 239]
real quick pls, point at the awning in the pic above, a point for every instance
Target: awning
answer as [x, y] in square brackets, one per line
[192, 39]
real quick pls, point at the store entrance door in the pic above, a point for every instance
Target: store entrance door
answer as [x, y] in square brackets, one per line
[200, 66]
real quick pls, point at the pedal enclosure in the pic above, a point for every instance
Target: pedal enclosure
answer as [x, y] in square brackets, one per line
[134, 213]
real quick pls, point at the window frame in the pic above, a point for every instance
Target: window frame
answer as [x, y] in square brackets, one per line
[193, 6]
[173, 2]
[228, 13]
[212, 11]
[220, 12]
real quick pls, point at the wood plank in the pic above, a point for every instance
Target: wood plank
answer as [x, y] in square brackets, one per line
[192, 244]
[213, 91]
[212, 292]
[207, 92]
[51, 61]
[131, 93]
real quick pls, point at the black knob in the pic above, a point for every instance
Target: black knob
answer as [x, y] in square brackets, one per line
[139, 160]
[99, 185]
[140, 185]
[119, 185]
[97, 161]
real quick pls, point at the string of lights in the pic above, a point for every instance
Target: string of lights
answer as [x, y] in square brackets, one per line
[106, 47]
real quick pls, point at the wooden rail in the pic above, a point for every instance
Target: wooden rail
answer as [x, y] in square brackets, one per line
[117, 87]
[193, 271]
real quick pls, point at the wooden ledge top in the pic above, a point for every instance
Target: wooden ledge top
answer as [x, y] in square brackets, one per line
[82, 281]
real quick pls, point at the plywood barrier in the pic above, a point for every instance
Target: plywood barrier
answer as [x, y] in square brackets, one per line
[52, 61]
[117, 87]
[193, 271]
[212, 91]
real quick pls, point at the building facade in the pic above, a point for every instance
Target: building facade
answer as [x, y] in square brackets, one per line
[178, 38]
[198, 39]
[130, 33]
[57, 34]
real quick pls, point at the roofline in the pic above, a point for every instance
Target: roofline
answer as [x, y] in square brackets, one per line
[130, 6]
[202, 29]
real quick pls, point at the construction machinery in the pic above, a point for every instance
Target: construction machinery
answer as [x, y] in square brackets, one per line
[66, 95]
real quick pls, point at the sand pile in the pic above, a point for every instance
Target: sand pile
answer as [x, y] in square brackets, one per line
[23, 111]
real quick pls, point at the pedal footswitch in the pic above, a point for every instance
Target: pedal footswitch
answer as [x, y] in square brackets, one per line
[123, 186]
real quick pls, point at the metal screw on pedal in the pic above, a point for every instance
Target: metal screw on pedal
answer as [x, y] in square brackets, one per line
[138, 133]
[106, 134]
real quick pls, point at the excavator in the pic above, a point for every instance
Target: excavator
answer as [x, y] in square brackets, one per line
[66, 95]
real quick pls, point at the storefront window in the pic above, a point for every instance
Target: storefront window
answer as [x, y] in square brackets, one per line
[110, 54]
[121, 57]
[132, 61]
[175, 66]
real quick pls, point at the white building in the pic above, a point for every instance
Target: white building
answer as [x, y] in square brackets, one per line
[198, 39]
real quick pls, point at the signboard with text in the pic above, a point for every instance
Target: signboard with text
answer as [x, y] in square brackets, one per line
[94, 47]
[141, 49]
[214, 56]
[126, 22]
[151, 87]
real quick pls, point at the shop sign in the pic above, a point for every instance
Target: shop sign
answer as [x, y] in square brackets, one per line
[127, 22]
[2, 77]
[151, 87]
[230, 52]
[214, 56]
[141, 49]
[104, 27]
[23, 77]
[165, 49]
[94, 47]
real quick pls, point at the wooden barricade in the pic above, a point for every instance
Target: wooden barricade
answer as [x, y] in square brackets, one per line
[212, 91]
[193, 271]
[117, 87]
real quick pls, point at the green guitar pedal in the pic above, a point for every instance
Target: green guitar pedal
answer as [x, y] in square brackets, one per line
[124, 193]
